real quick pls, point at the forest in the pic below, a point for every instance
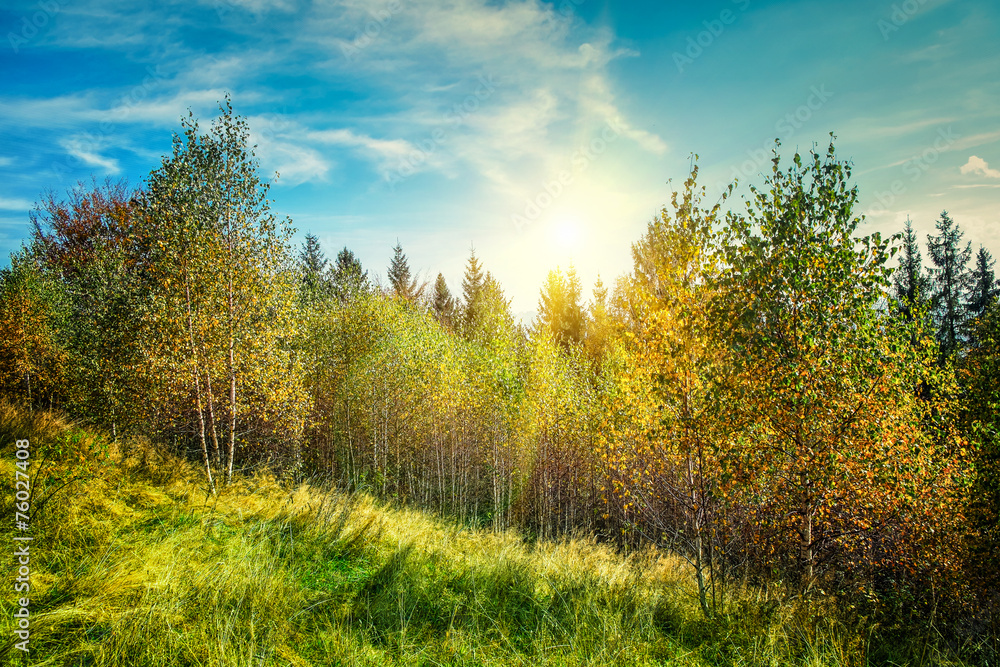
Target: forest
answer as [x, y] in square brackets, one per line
[770, 395]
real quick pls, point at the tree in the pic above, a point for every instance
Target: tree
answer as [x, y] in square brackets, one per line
[560, 312]
[349, 279]
[910, 285]
[313, 265]
[33, 352]
[600, 325]
[223, 277]
[981, 421]
[93, 243]
[403, 285]
[472, 287]
[442, 303]
[829, 452]
[493, 323]
[951, 282]
[665, 445]
[68, 234]
[984, 286]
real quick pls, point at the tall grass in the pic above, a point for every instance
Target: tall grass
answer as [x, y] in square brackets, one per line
[134, 564]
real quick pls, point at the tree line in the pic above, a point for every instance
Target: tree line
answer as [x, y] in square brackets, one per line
[768, 392]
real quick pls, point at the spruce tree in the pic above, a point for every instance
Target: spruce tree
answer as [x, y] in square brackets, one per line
[402, 283]
[951, 282]
[472, 289]
[349, 278]
[442, 302]
[984, 285]
[560, 311]
[313, 264]
[910, 285]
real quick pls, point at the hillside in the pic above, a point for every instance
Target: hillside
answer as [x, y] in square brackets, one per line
[133, 565]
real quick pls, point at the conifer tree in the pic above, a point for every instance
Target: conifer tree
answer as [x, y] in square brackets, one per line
[910, 285]
[442, 302]
[348, 278]
[559, 309]
[313, 265]
[951, 281]
[600, 323]
[402, 283]
[472, 287]
[984, 285]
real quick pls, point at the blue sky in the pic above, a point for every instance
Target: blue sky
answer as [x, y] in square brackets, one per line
[542, 133]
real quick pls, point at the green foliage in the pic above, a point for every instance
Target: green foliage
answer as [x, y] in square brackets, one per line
[749, 401]
[34, 310]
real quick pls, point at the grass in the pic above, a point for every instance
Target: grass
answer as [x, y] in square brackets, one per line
[132, 564]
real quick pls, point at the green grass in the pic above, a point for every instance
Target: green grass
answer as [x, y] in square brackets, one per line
[132, 565]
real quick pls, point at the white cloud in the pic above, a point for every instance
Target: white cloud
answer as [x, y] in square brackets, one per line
[977, 165]
[385, 148]
[15, 204]
[975, 140]
[295, 164]
[6, 161]
[85, 149]
[549, 87]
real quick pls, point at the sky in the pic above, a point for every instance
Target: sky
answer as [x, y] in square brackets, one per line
[541, 134]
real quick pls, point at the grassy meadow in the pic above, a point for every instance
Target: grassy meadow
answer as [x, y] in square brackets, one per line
[134, 564]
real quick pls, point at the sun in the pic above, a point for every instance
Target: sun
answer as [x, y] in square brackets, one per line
[566, 234]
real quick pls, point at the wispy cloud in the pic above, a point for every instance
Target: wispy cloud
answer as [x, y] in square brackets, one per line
[15, 204]
[85, 150]
[550, 71]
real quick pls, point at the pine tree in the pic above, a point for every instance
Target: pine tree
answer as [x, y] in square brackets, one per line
[951, 282]
[442, 303]
[348, 278]
[403, 285]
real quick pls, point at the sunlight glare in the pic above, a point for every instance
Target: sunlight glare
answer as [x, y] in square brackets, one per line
[566, 234]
